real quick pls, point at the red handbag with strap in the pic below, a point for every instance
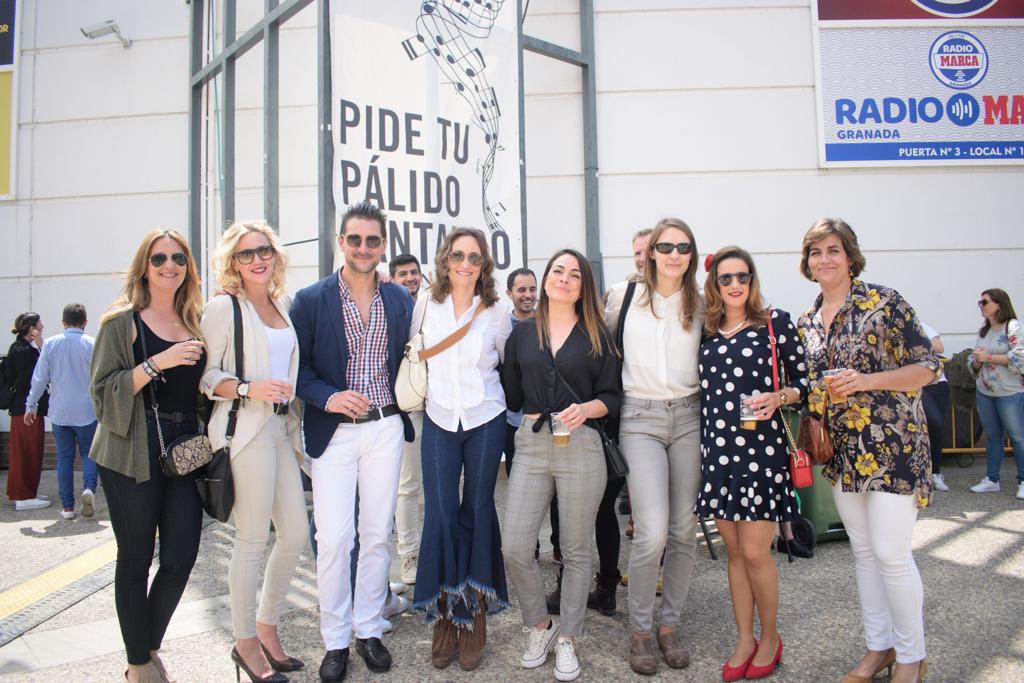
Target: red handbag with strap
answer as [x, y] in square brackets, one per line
[799, 461]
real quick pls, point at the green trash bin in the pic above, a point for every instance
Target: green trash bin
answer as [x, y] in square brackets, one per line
[816, 505]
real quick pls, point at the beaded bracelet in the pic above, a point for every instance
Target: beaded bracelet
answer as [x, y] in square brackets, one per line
[149, 369]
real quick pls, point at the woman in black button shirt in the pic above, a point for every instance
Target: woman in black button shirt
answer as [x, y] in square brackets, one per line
[568, 343]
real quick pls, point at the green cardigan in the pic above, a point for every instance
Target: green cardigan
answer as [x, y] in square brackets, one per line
[122, 440]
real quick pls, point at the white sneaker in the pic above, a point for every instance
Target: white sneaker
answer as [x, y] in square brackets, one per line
[567, 666]
[396, 604]
[539, 646]
[67, 514]
[397, 587]
[88, 503]
[939, 482]
[1020, 491]
[409, 562]
[31, 504]
[388, 627]
[986, 485]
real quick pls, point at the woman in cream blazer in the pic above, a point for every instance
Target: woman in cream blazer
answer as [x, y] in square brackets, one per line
[266, 450]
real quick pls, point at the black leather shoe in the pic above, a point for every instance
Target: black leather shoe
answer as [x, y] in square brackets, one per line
[373, 652]
[334, 666]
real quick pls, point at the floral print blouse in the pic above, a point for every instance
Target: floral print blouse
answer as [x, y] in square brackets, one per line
[1001, 380]
[880, 437]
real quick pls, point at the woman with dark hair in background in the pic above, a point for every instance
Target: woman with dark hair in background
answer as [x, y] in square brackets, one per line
[562, 371]
[998, 365]
[26, 440]
[159, 309]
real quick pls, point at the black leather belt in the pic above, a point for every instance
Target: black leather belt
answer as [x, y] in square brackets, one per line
[173, 417]
[280, 409]
[375, 414]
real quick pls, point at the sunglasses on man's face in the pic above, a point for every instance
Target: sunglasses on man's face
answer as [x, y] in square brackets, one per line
[475, 259]
[245, 256]
[158, 259]
[984, 302]
[725, 279]
[356, 241]
[667, 247]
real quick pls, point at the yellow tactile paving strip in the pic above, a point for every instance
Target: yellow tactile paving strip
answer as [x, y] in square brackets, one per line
[17, 598]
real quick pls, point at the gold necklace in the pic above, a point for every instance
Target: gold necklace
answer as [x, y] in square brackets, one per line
[729, 333]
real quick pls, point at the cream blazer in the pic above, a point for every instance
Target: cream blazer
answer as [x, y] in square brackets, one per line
[219, 334]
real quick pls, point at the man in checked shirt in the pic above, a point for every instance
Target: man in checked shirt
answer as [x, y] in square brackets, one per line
[352, 330]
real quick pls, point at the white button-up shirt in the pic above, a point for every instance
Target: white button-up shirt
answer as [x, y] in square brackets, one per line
[463, 385]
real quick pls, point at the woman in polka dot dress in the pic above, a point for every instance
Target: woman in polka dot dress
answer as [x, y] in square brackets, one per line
[745, 462]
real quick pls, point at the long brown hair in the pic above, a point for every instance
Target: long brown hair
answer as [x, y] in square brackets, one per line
[691, 298]
[714, 306]
[588, 306]
[485, 286]
[188, 300]
[1006, 312]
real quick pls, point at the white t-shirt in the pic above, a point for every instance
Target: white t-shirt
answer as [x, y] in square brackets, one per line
[931, 332]
[280, 343]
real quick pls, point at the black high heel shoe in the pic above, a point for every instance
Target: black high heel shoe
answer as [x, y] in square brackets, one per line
[236, 657]
[290, 664]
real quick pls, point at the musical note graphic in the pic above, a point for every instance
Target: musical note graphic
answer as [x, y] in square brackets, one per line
[444, 29]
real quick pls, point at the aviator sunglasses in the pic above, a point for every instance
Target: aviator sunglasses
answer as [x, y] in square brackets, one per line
[984, 302]
[245, 256]
[356, 241]
[158, 259]
[474, 258]
[667, 247]
[725, 279]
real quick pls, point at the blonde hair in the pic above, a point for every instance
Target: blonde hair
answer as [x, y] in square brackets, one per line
[224, 258]
[690, 298]
[188, 300]
[714, 307]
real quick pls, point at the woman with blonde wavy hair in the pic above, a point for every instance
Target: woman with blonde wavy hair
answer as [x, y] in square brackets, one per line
[460, 576]
[149, 347]
[266, 449]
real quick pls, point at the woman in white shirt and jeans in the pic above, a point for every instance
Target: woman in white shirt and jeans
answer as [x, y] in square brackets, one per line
[659, 432]
[460, 575]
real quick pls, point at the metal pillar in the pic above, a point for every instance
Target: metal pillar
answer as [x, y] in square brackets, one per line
[195, 135]
[271, 122]
[227, 158]
[325, 140]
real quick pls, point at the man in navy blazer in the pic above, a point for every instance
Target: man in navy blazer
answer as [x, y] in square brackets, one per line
[352, 330]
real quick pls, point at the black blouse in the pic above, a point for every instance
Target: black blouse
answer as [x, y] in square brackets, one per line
[181, 390]
[20, 364]
[530, 382]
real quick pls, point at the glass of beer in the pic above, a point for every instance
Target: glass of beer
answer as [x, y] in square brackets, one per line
[828, 375]
[748, 419]
[559, 431]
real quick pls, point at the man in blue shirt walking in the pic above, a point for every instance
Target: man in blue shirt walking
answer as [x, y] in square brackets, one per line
[64, 367]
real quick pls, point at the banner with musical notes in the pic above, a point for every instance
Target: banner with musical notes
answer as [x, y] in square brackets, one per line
[426, 120]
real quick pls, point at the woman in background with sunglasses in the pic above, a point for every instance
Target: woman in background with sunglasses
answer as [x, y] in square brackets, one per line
[460, 576]
[998, 364]
[161, 300]
[745, 459]
[266, 449]
[660, 438]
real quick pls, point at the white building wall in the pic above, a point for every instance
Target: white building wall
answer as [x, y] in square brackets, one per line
[706, 111]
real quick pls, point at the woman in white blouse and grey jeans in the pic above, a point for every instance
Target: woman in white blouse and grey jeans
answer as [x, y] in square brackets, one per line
[659, 434]
[460, 575]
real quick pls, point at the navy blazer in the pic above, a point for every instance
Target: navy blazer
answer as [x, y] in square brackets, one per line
[323, 352]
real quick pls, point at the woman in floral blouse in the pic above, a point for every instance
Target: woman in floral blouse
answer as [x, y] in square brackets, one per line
[881, 472]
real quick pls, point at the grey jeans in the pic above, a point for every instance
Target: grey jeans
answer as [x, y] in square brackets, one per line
[661, 442]
[579, 474]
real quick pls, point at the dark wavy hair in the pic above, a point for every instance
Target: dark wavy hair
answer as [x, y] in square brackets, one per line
[1006, 312]
[485, 287]
[23, 323]
[588, 307]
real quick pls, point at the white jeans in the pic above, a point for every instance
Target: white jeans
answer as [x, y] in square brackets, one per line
[880, 526]
[410, 490]
[369, 455]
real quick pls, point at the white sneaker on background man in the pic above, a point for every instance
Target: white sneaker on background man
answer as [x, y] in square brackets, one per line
[31, 504]
[939, 482]
[1020, 491]
[986, 485]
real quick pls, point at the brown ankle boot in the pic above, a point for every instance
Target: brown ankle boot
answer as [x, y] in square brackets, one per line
[641, 654]
[471, 642]
[445, 645]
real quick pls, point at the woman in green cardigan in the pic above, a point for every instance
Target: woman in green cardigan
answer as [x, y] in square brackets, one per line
[162, 302]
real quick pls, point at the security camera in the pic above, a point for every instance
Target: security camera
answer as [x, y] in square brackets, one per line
[105, 28]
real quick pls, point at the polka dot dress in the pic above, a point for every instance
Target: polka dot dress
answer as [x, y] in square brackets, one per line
[746, 471]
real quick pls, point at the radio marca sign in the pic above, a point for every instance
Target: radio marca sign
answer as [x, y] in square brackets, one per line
[920, 82]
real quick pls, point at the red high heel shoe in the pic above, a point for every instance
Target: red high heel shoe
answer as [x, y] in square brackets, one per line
[736, 673]
[766, 670]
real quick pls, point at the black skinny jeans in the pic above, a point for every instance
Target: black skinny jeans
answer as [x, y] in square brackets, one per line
[606, 531]
[136, 512]
[936, 406]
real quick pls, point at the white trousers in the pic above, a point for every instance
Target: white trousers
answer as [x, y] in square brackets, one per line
[367, 455]
[880, 526]
[410, 491]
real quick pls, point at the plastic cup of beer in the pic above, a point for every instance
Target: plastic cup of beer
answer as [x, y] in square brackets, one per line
[559, 431]
[828, 375]
[748, 419]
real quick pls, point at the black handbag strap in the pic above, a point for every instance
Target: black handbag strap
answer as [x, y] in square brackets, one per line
[596, 424]
[236, 310]
[620, 329]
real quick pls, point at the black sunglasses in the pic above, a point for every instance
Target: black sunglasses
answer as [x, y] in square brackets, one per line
[475, 259]
[984, 302]
[667, 247]
[180, 258]
[356, 241]
[245, 257]
[725, 279]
